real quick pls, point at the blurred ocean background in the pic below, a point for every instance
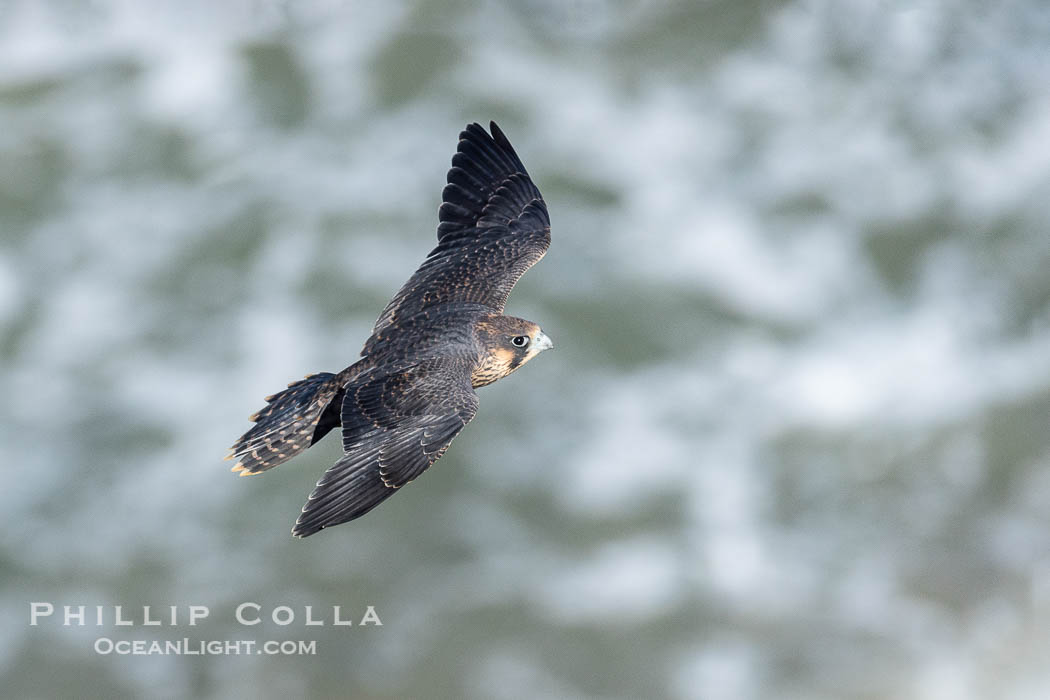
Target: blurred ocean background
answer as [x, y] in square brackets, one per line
[793, 441]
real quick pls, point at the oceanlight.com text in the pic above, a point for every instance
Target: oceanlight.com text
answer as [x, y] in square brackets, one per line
[200, 647]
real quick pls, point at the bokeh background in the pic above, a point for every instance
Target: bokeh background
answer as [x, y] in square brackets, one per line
[793, 440]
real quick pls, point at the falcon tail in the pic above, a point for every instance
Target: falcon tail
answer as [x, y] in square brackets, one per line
[293, 420]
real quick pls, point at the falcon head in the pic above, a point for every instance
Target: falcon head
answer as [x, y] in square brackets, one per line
[507, 343]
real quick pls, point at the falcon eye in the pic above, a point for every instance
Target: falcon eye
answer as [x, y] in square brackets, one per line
[520, 341]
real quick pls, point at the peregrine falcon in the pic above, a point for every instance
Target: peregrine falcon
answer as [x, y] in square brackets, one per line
[442, 336]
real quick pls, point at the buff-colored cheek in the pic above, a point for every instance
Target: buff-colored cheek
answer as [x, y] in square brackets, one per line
[504, 357]
[496, 365]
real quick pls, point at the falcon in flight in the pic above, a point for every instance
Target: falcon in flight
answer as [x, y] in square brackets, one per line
[442, 336]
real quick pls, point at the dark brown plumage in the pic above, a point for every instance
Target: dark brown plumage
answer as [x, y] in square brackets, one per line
[441, 336]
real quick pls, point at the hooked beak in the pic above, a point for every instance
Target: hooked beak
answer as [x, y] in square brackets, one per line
[542, 343]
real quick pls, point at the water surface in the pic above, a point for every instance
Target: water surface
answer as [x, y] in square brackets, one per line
[792, 441]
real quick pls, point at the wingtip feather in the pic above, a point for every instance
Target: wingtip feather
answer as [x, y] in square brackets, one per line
[497, 133]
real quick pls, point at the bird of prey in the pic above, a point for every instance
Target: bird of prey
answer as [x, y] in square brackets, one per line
[441, 336]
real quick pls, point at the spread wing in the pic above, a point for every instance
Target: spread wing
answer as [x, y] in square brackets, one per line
[493, 227]
[395, 425]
